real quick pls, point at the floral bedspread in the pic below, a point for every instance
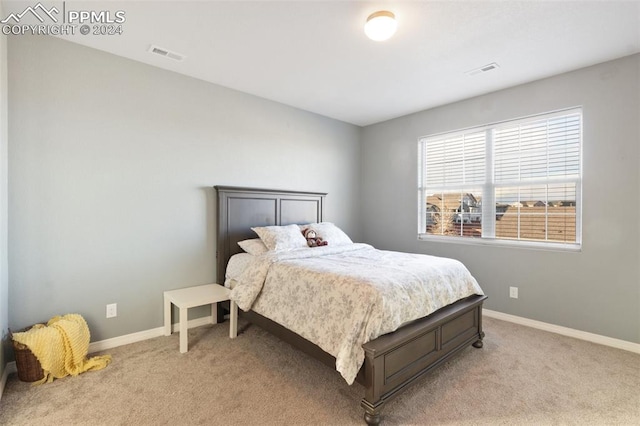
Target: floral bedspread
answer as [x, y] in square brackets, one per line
[342, 297]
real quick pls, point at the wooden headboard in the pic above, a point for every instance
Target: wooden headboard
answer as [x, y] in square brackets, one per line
[239, 209]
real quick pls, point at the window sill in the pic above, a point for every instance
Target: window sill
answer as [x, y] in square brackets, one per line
[528, 245]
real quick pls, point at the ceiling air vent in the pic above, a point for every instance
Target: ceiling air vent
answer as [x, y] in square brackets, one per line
[485, 68]
[166, 53]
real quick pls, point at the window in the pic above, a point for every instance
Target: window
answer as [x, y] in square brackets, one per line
[513, 181]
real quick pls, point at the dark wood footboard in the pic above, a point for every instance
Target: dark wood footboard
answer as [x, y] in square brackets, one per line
[396, 360]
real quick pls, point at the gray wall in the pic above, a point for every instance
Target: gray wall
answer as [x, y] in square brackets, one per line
[4, 290]
[111, 164]
[596, 290]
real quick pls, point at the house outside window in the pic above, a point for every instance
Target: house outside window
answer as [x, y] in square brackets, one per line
[516, 182]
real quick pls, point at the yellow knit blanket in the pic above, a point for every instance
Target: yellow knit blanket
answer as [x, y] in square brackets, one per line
[61, 347]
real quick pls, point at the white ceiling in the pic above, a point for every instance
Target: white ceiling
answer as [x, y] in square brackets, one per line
[314, 55]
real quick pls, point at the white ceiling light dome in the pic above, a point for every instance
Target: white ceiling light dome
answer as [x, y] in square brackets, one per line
[380, 25]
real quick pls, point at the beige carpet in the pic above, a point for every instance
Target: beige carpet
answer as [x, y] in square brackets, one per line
[521, 376]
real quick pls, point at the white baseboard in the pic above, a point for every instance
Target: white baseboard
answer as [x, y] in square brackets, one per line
[565, 331]
[143, 335]
[159, 331]
[8, 369]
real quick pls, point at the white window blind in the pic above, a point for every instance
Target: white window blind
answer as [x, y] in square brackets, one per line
[518, 180]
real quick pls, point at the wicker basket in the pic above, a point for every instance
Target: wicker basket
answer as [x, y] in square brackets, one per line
[28, 366]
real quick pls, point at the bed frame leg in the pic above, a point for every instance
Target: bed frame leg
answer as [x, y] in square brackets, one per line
[372, 419]
[372, 412]
[478, 343]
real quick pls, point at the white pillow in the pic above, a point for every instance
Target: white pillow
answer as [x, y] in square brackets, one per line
[330, 233]
[279, 238]
[254, 246]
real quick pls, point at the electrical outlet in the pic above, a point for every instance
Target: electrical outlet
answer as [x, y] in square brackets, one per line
[513, 292]
[112, 310]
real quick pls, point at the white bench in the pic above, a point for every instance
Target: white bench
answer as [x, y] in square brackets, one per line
[190, 297]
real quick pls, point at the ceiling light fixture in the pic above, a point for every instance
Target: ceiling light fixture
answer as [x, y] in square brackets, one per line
[380, 25]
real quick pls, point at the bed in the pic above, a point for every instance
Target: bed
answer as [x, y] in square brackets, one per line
[393, 361]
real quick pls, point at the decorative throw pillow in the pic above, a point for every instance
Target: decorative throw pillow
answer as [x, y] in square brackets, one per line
[331, 233]
[254, 246]
[279, 238]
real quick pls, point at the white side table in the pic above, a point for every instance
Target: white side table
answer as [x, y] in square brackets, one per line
[185, 298]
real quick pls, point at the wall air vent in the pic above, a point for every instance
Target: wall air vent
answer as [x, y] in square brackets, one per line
[166, 53]
[485, 68]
